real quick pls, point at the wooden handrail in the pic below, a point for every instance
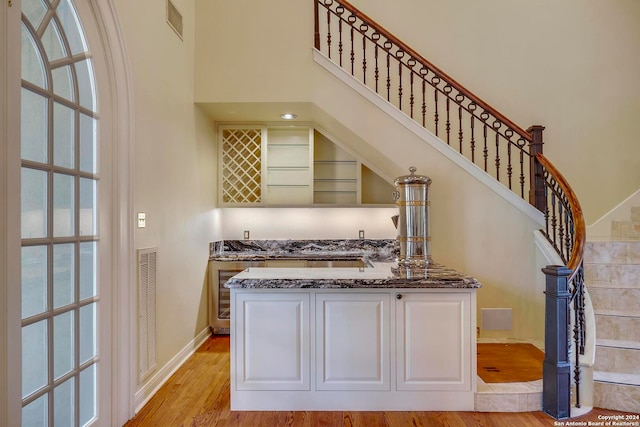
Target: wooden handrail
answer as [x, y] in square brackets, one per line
[576, 210]
[419, 58]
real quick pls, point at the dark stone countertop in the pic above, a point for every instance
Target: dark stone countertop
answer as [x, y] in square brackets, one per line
[317, 250]
[379, 275]
[378, 254]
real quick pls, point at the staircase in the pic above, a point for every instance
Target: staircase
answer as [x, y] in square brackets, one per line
[458, 124]
[612, 275]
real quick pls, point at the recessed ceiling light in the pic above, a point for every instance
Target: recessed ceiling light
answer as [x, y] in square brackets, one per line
[288, 116]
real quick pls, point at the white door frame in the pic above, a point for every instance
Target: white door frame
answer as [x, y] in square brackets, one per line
[122, 321]
[10, 309]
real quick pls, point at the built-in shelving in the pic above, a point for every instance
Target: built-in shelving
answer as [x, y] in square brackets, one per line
[293, 165]
[335, 174]
[289, 166]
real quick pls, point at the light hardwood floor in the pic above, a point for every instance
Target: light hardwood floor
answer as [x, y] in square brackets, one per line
[198, 395]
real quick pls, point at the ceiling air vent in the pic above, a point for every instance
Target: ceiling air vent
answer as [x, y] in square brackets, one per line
[174, 19]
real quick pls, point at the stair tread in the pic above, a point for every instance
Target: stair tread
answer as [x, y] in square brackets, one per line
[587, 264]
[595, 284]
[617, 378]
[619, 313]
[633, 345]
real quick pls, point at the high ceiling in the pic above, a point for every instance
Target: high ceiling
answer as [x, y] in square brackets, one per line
[257, 111]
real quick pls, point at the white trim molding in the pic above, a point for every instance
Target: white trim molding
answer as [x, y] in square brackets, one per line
[10, 266]
[122, 324]
[151, 387]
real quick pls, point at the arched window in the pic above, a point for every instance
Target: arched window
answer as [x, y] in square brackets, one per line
[59, 218]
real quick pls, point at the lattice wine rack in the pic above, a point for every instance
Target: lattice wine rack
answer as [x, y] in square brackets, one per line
[241, 165]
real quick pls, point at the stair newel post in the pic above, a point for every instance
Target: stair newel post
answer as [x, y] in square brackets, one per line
[556, 369]
[536, 179]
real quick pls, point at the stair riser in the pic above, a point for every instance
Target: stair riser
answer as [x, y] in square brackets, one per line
[612, 252]
[612, 359]
[508, 402]
[615, 299]
[616, 396]
[618, 328]
[612, 275]
[625, 230]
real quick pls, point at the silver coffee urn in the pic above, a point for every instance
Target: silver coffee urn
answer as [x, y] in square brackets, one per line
[412, 198]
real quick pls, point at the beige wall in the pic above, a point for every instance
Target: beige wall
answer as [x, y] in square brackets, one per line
[570, 66]
[174, 168]
[579, 82]
[472, 228]
[253, 51]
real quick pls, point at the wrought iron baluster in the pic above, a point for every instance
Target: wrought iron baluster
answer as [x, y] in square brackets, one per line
[561, 219]
[472, 109]
[375, 37]
[579, 278]
[447, 91]
[352, 19]
[496, 126]
[568, 226]
[399, 83]
[578, 329]
[522, 178]
[329, 34]
[554, 221]
[460, 132]
[411, 95]
[484, 116]
[388, 70]
[546, 205]
[364, 28]
[435, 114]
[424, 104]
[509, 167]
[423, 75]
[339, 13]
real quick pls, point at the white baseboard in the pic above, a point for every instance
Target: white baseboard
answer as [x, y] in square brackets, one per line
[151, 387]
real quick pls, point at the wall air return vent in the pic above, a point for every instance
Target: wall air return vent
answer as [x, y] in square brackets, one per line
[174, 19]
[147, 259]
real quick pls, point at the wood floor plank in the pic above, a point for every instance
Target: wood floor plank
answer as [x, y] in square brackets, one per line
[507, 363]
[198, 395]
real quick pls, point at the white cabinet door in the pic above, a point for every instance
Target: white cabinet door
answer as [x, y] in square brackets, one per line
[352, 341]
[433, 343]
[272, 341]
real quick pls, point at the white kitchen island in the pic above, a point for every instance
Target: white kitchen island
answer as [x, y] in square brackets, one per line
[353, 339]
